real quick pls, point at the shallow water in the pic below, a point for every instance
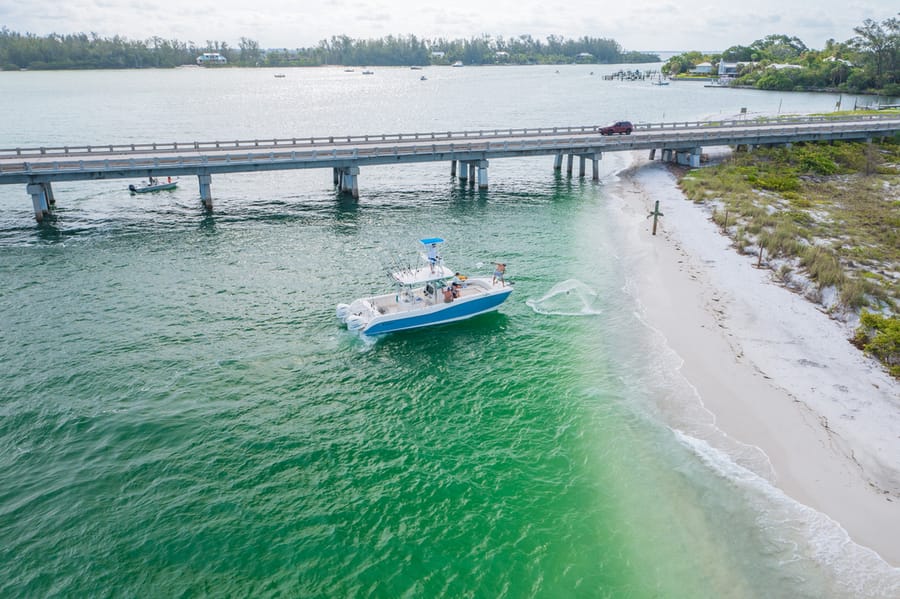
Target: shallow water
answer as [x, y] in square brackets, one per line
[182, 413]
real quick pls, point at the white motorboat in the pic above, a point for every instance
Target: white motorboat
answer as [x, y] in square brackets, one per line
[153, 184]
[429, 294]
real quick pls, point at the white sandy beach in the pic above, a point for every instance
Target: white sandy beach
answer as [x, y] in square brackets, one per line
[773, 369]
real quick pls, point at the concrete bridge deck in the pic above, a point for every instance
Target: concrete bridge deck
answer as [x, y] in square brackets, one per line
[39, 167]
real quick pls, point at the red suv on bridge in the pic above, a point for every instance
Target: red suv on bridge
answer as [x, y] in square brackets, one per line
[619, 127]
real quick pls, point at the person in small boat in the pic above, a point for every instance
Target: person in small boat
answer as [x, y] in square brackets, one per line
[499, 271]
[448, 295]
[459, 279]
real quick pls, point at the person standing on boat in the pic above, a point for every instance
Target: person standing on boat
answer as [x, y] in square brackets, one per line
[499, 271]
[432, 255]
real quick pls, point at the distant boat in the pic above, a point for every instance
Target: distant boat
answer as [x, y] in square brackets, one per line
[368, 72]
[153, 185]
[423, 78]
[348, 70]
[279, 75]
[415, 68]
[661, 81]
[458, 63]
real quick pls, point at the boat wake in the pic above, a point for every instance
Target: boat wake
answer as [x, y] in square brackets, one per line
[568, 298]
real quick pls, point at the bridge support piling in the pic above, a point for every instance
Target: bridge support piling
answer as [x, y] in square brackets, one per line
[48, 193]
[569, 159]
[595, 166]
[483, 174]
[581, 164]
[653, 154]
[349, 182]
[336, 176]
[39, 200]
[557, 162]
[452, 168]
[205, 191]
[463, 171]
[473, 169]
[695, 157]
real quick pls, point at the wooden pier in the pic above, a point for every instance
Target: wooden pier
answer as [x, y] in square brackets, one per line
[468, 152]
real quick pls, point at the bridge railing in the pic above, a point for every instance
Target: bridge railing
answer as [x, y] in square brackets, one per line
[671, 135]
[436, 136]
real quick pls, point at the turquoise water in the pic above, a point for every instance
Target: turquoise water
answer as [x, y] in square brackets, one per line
[182, 414]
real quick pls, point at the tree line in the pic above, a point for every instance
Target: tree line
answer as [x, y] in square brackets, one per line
[90, 51]
[868, 62]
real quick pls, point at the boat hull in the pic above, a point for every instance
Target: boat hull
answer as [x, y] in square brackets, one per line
[437, 314]
[152, 188]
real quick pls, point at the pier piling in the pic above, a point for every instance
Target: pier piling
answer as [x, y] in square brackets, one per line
[38, 192]
[483, 174]
[205, 190]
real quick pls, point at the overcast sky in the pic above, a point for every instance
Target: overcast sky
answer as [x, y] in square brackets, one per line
[636, 25]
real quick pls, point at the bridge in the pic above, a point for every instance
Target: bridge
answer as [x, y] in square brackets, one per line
[681, 142]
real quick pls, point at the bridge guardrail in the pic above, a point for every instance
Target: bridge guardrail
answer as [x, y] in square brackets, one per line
[274, 143]
[593, 143]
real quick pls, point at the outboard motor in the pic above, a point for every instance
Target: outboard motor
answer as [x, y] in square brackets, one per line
[355, 322]
[342, 311]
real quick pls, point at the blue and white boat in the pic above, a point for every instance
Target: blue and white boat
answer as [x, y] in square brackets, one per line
[427, 295]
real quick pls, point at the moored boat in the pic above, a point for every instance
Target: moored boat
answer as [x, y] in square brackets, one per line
[153, 185]
[429, 294]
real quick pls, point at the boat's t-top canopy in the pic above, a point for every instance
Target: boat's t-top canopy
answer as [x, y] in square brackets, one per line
[432, 268]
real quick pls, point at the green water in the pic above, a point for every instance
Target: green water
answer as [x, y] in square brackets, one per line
[182, 414]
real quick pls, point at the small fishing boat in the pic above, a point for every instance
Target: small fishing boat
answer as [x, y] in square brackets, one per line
[153, 185]
[429, 294]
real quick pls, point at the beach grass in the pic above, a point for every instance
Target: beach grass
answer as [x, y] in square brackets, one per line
[824, 216]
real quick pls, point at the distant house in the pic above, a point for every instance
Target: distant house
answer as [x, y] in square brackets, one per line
[437, 54]
[782, 66]
[840, 60]
[728, 69]
[584, 57]
[704, 68]
[210, 58]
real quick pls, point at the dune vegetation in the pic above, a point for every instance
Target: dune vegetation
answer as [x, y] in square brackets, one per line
[825, 217]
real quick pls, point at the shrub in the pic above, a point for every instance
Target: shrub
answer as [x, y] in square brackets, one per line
[816, 163]
[880, 336]
[854, 293]
[822, 266]
[775, 181]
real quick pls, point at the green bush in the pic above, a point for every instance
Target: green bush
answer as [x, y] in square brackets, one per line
[816, 163]
[880, 336]
[822, 266]
[775, 181]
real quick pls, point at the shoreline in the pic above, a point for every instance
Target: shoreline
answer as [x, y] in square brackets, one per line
[775, 373]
